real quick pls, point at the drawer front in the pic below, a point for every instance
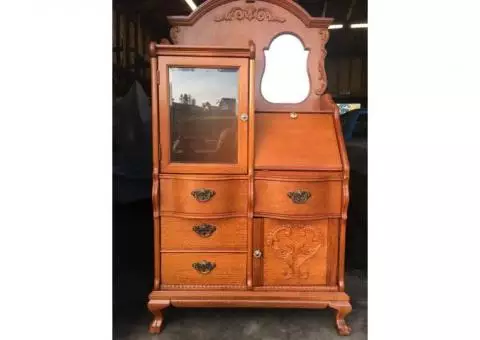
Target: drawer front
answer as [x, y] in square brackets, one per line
[298, 253]
[199, 234]
[210, 197]
[302, 198]
[204, 269]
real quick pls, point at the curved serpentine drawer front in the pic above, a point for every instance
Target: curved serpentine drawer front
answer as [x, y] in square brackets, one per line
[206, 234]
[214, 196]
[306, 199]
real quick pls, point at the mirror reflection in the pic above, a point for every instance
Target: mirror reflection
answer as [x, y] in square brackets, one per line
[203, 110]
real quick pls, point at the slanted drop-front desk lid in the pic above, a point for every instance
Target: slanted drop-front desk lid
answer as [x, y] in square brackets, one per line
[296, 141]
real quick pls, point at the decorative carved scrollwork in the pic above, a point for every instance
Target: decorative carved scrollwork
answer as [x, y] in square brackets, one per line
[203, 195]
[204, 267]
[204, 230]
[322, 76]
[250, 13]
[299, 196]
[295, 244]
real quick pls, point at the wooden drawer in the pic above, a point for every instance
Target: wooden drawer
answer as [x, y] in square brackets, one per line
[198, 234]
[204, 269]
[288, 197]
[207, 195]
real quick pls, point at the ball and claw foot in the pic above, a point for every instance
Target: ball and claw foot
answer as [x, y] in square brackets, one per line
[342, 308]
[343, 328]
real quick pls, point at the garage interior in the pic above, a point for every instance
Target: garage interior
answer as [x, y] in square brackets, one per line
[135, 24]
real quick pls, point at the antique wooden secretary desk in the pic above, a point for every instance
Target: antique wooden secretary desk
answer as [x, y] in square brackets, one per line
[250, 174]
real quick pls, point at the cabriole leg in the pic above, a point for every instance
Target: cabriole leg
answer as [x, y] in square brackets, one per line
[157, 307]
[343, 308]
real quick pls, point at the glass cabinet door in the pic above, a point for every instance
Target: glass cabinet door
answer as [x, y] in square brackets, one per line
[201, 103]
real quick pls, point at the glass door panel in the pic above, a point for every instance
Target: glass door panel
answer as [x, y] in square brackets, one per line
[203, 115]
[201, 101]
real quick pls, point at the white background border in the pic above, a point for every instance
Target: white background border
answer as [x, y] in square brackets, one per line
[55, 169]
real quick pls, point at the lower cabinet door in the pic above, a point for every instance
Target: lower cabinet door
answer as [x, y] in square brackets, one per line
[295, 253]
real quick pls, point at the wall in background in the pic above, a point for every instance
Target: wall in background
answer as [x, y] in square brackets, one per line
[130, 50]
[347, 78]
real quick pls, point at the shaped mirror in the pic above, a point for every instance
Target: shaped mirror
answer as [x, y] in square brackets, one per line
[285, 79]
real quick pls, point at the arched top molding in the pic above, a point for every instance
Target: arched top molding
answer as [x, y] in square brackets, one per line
[289, 5]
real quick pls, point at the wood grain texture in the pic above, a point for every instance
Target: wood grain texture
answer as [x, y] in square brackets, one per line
[271, 197]
[308, 142]
[228, 234]
[231, 196]
[230, 269]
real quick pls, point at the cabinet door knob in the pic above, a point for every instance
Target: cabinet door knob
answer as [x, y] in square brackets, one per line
[257, 253]
[243, 117]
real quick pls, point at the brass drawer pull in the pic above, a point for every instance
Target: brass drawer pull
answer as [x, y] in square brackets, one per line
[204, 267]
[299, 196]
[203, 195]
[204, 230]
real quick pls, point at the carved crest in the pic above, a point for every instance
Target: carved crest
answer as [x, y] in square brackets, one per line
[250, 13]
[295, 244]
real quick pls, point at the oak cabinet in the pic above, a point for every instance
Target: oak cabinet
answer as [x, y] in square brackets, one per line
[249, 196]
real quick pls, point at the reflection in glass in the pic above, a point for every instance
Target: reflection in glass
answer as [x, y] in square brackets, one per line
[203, 110]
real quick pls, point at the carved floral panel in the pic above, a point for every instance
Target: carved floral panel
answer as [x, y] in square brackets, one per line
[291, 247]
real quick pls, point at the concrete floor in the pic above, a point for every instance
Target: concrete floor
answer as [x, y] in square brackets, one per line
[131, 319]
